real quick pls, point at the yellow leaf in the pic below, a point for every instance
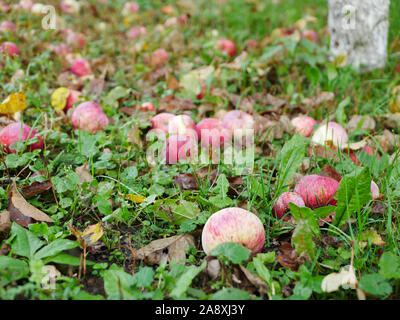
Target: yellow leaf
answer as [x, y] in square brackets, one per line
[14, 103]
[89, 236]
[135, 198]
[59, 98]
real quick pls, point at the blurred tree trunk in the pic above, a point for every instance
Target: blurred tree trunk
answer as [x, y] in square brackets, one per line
[359, 31]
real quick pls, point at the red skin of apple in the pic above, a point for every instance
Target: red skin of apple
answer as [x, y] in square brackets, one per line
[89, 116]
[74, 97]
[182, 125]
[317, 191]
[66, 8]
[25, 4]
[227, 46]
[136, 32]
[237, 119]
[8, 26]
[183, 19]
[375, 191]
[366, 149]
[282, 204]
[304, 125]
[10, 48]
[76, 40]
[159, 57]
[212, 133]
[233, 225]
[12, 133]
[398, 68]
[131, 7]
[180, 147]
[203, 92]
[62, 49]
[331, 131]
[310, 35]
[161, 121]
[81, 67]
[147, 107]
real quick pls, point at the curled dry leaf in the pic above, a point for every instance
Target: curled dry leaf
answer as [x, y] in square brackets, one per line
[323, 98]
[255, 280]
[213, 268]
[172, 248]
[172, 103]
[361, 122]
[23, 212]
[186, 181]
[89, 236]
[5, 225]
[84, 174]
[36, 188]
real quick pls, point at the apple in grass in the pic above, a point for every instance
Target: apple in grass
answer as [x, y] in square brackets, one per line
[70, 6]
[81, 67]
[76, 40]
[159, 57]
[136, 32]
[331, 132]
[182, 125]
[161, 121]
[8, 26]
[367, 150]
[180, 148]
[147, 107]
[211, 132]
[304, 125]
[129, 8]
[281, 205]
[73, 97]
[89, 116]
[310, 35]
[227, 46]
[10, 48]
[14, 132]
[233, 225]
[317, 191]
[240, 125]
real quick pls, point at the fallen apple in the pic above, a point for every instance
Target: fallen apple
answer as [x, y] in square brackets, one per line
[159, 57]
[281, 205]
[161, 121]
[240, 125]
[89, 116]
[9, 48]
[310, 35]
[331, 132]
[14, 132]
[182, 125]
[7, 26]
[317, 191]
[147, 107]
[129, 8]
[181, 148]
[73, 97]
[136, 32]
[233, 225]
[76, 40]
[81, 67]
[304, 125]
[212, 133]
[228, 47]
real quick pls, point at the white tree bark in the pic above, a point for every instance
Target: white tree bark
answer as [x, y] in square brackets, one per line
[359, 30]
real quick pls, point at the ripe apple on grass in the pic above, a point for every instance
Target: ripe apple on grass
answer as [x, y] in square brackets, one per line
[331, 132]
[10, 48]
[81, 67]
[281, 206]
[14, 132]
[89, 116]
[228, 47]
[317, 191]
[212, 133]
[161, 121]
[240, 125]
[181, 148]
[304, 125]
[8, 26]
[233, 225]
[182, 125]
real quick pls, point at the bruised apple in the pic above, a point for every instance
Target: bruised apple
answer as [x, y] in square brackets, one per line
[304, 125]
[331, 132]
[89, 116]
[317, 191]
[14, 132]
[233, 225]
[282, 204]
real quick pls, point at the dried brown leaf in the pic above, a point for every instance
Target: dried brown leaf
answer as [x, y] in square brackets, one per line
[186, 181]
[23, 212]
[35, 189]
[5, 225]
[330, 172]
[84, 174]
[255, 280]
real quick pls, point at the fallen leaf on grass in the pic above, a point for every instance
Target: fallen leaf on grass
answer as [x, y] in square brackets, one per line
[346, 278]
[35, 189]
[89, 236]
[5, 225]
[59, 98]
[84, 174]
[23, 212]
[172, 248]
[255, 280]
[371, 236]
[172, 103]
[134, 198]
[14, 103]
[186, 181]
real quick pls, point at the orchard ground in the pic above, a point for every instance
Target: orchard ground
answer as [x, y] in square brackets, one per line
[89, 212]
